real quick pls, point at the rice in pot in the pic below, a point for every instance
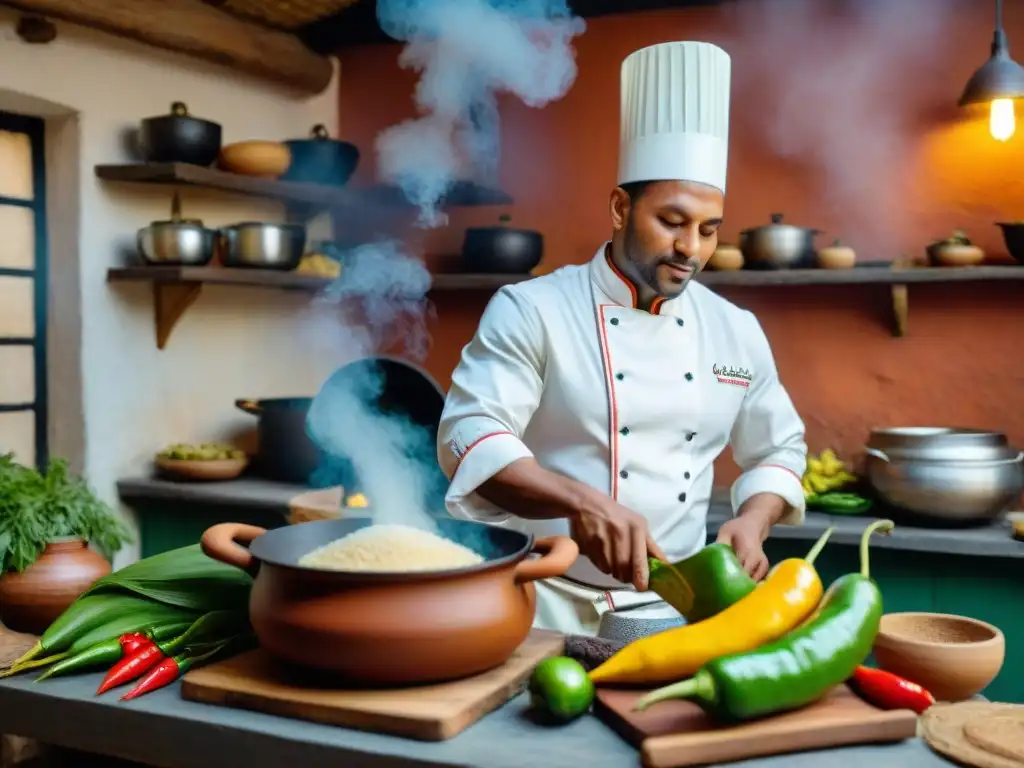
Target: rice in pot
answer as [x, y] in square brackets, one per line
[391, 548]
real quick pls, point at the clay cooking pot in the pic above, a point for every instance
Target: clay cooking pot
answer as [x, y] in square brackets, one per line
[390, 628]
[31, 600]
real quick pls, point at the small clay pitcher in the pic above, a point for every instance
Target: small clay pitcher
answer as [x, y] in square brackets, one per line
[32, 599]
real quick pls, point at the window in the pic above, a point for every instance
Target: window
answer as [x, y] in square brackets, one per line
[23, 292]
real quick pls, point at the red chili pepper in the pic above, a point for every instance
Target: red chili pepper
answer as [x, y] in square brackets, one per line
[170, 669]
[131, 667]
[889, 691]
[164, 673]
[133, 641]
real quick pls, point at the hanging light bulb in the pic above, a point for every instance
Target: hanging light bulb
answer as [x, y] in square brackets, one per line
[1001, 120]
[997, 83]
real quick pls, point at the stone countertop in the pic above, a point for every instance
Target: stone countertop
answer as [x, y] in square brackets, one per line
[993, 540]
[161, 729]
[244, 492]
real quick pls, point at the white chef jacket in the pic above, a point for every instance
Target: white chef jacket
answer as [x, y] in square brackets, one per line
[566, 369]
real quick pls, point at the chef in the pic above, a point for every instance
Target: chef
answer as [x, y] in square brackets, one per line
[593, 401]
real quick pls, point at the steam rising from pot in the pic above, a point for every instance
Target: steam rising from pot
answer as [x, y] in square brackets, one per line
[467, 51]
[840, 85]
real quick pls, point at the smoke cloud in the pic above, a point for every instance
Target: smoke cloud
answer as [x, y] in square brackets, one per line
[467, 52]
[840, 85]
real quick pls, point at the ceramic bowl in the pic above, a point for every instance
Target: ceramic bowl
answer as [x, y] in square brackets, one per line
[954, 657]
[262, 159]
[217, 469]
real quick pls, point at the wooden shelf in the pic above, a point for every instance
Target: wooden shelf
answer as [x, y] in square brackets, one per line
[869, 274]
[897, 276]
[175, 289]
[462, 193]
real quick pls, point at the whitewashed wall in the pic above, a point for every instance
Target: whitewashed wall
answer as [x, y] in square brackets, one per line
[115, 398]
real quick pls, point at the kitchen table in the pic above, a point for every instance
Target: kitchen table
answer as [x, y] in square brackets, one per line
[974, 571]
[161, 729]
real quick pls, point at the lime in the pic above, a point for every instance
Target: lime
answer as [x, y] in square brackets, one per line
[561, 688]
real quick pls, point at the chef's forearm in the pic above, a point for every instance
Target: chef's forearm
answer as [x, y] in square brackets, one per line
[766, 508]
[525, 489]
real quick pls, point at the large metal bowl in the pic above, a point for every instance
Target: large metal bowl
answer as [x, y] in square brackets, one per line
[941, 444]
[257, 245]
[180, 242]
[956, 492]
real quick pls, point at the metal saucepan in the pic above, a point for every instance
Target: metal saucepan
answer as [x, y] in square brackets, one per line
[177, 241]
[254, 244]
[179, 138]
[778, 246]
[950, 492]
[396, 628]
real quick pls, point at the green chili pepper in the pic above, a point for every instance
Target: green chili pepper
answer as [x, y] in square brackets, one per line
[100, 655]
[215, 625]
[839, 503]
[802, 666]
[703, 584]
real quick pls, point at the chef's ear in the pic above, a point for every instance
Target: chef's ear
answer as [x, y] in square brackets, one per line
[618, 207]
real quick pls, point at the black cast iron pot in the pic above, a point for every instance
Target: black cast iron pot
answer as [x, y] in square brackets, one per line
[179, 138]
[289, 451]
[501, 249]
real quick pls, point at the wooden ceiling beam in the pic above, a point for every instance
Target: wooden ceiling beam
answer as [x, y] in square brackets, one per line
[199, 30]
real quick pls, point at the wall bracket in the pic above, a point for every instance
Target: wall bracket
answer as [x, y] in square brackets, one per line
[170, 302]
[900, 299]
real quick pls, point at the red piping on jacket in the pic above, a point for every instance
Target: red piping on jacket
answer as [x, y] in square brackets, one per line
[613, 410]
[474, 444]
[655, 305]
[779, 466]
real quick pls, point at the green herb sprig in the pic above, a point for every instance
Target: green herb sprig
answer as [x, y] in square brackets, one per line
[38, 507]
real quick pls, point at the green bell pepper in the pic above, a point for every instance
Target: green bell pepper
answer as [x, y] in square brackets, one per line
[839, 503]
[703, 584]
[799, 668]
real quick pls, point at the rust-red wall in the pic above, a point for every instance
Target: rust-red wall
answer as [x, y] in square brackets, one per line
[845, 127]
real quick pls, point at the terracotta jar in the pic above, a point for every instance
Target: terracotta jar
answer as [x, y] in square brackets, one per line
[32, 599]
[396, 627]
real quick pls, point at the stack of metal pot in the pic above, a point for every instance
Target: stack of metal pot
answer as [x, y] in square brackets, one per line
[949, 475]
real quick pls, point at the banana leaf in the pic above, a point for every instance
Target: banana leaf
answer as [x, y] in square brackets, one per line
[184, 578]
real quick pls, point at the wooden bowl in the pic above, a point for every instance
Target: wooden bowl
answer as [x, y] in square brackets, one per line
[263, 159]
[954, 657]
[218, 469]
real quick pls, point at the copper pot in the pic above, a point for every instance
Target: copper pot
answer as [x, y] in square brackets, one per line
[390, 628]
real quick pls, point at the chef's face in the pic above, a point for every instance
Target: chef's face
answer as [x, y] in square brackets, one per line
[664, 233]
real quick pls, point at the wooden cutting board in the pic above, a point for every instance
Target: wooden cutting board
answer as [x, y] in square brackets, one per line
[678, 733]
[255, 681]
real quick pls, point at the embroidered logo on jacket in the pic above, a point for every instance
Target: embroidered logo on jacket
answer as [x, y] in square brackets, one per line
[727, 374]
[457, 449]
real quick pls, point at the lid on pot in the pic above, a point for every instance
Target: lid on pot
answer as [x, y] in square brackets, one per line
[674, 115]
[778, 225]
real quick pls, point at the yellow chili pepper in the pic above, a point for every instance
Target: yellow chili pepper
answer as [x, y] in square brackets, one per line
[785, 598]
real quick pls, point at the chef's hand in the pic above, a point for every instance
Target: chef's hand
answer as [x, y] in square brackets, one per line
[616, 539]
[746, 532]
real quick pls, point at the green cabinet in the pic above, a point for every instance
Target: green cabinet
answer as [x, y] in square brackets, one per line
[985, 588]
[165, 525]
